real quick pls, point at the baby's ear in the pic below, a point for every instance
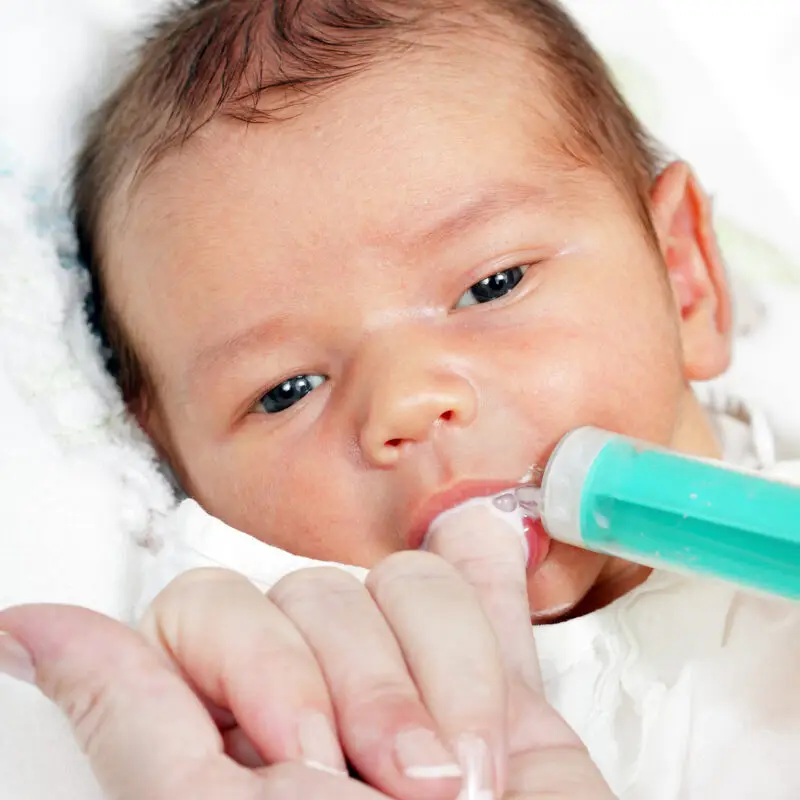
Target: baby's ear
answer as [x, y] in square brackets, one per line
[681, 213]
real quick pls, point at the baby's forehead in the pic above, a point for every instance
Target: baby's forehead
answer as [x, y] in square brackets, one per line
[436, 110]
[484, 76]
[374, 161]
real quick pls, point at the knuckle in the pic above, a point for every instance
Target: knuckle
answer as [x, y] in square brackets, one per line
[198, 580]
[488, 571]
[384, 692]
[182, 606]
[89, 706]
[410, 569]
[378, 712]
[286, 660]
[313, 586]
[487, 563]
[188, 588]
[408, 565]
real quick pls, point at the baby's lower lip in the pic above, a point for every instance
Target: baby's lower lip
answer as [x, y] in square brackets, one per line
[538, 543]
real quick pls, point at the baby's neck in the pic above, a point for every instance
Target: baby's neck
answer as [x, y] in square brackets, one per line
[617, 578]
[695, 434]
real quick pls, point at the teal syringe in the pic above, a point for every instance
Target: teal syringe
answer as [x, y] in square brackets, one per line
[612, 494]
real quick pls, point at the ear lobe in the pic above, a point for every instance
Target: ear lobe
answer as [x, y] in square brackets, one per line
[681, 213]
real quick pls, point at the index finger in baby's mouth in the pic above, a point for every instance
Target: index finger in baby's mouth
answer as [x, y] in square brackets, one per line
[490, 555]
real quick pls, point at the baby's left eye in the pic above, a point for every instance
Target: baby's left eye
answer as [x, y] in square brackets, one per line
[492, 288]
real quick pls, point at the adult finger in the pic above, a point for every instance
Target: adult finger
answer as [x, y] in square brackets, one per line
[547, 758]
[242, 653]
[388, 734]
[452, 653]
[557, 772]
[144, 731]
[143, 728]
[490, 555]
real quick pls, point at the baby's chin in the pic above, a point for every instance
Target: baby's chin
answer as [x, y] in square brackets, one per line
[563, 585]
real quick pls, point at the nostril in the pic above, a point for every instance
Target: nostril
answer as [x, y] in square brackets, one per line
[447, 416]
[394, 443]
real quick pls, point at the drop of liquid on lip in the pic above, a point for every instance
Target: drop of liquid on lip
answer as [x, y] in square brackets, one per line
[505, 502]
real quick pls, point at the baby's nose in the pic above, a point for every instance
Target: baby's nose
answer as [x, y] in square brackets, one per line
[408, 405]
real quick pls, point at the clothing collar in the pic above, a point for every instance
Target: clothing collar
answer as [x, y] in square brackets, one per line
[742, 429]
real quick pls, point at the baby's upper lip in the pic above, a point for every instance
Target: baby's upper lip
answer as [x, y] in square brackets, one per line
[441, 501]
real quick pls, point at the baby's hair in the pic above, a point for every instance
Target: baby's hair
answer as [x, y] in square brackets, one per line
[259, 61]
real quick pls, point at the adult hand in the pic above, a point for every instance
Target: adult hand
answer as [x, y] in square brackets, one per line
[429, 673]
[143, 728]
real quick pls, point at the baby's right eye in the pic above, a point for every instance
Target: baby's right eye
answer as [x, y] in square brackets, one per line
[286, 394]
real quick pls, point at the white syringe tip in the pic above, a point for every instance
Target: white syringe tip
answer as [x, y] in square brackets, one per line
[564, 479]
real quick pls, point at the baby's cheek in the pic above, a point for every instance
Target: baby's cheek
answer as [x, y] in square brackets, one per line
[294, 496]
[234, 479]
[603, 375]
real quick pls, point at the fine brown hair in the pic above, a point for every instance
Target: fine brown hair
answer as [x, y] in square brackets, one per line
[258, 61]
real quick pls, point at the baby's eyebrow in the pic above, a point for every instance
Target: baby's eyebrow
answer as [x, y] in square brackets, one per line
[471, 211]
[212, 356]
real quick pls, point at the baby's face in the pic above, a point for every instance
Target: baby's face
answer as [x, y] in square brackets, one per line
[400, 298]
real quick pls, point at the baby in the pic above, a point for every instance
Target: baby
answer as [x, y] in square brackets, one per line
[361, 261]
[383, 256]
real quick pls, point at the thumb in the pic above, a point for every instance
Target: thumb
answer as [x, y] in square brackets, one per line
[141, 726]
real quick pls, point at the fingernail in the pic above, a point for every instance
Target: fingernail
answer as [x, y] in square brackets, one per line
[476, 764]
[15, 661]
[319, 745]
[422, 756]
